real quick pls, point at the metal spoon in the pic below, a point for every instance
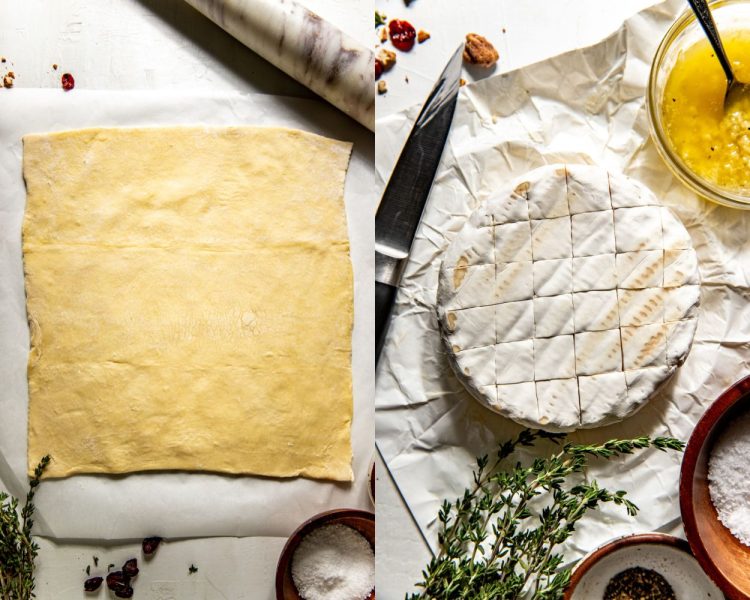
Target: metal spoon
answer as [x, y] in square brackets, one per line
[735, 88]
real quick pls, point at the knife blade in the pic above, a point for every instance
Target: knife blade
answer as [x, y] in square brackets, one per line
[405, 196]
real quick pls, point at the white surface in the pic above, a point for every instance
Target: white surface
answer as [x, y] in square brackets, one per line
[228, 569]
[424, 478]
[146, 44]
[522, 32]
[163, 44]
[153, 45]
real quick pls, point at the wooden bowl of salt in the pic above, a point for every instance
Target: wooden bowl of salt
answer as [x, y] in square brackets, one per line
[362, 522]
[717, 443]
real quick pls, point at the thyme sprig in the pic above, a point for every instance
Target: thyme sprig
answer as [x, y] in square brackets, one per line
[17, 547]
[495, 544]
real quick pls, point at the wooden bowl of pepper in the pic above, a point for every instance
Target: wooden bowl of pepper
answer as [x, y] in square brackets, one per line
[721, 554]
[647, 565]
[360, 521]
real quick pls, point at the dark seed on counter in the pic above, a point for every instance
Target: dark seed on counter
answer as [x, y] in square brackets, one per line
[68, 83]
[117, 580]
[150, 544]
[92, 584]
[130, 568]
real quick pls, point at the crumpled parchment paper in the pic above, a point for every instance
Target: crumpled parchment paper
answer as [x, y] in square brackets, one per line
[178, 504]
[585, 106]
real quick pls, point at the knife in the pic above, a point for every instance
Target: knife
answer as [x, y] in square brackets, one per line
[404, 198]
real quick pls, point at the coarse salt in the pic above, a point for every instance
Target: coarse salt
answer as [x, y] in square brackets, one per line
[334, 562]
[729, 478]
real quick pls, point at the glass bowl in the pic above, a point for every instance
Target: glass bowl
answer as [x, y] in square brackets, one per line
[729, 15]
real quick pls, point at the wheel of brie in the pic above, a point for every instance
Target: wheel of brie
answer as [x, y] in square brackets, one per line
[568, 298]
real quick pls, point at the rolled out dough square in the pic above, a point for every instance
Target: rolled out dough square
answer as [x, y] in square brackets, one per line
[189, 294]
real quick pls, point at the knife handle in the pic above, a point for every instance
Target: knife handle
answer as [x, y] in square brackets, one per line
[384, 297]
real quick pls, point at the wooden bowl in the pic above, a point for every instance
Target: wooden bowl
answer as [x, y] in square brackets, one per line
[665, 554]
[722, 556]
[362, 521]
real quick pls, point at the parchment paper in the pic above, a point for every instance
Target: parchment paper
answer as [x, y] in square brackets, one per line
[173, 505]
[584, 106]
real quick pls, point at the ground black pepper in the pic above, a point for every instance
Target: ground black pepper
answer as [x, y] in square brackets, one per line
[638, 584]
[150, 544]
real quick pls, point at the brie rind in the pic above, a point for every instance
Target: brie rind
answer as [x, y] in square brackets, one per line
[568, 298]
[514, 321]
[517, 401]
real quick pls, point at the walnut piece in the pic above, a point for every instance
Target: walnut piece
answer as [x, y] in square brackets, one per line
[422, 36]
[388, 59]
[382, 86]
[478, 51]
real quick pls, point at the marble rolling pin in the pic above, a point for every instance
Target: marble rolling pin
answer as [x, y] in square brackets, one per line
[303, 45]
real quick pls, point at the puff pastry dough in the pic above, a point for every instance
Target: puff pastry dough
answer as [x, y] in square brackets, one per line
[189, 293]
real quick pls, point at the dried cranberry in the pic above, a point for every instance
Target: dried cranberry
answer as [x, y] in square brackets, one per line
[150, 544]
[402, 34]
[130, 568]
[92, 584]
[117, 580]
[126, 592]
[378, 68]
[68, 83]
